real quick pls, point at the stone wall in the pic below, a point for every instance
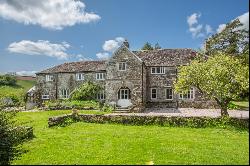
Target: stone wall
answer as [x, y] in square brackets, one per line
[64, 81]
[131, 78]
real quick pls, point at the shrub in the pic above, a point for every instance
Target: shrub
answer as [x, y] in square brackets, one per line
[86, 91]
[67, 104]
[16, 95]
[11, 137]
[7, 80]
[232, 106]
[107, 108]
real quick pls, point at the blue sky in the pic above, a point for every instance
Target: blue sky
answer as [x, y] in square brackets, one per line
[35, 35]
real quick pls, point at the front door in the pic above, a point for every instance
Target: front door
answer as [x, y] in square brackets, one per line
[124, 97]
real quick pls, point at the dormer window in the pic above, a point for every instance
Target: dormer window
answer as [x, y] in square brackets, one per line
[122, 66]
[157, 70]
[79, 76]
[48, 78]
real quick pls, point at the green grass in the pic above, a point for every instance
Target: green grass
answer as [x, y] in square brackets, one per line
[26, 84]
[89, 143]
[244, 104]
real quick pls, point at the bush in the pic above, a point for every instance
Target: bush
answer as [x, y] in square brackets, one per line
[86, 91]
[67, 104]
[7, 80]
[232, 106]
[15, 94]
[107, 108]
[11, 137]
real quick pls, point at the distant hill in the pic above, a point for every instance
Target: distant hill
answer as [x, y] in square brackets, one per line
[26, 84]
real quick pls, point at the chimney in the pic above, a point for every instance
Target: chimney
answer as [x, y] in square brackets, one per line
[126, 43]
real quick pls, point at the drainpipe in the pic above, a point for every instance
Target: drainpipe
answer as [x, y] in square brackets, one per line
[177, 98]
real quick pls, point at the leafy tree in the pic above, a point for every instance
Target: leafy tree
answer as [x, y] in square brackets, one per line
[147, 46]
[232, 40]
[9, 148]
[220, 77]
[86, 91]
[7, 80]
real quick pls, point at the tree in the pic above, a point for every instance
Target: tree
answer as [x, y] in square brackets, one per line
[86, 91]
[157, 46]
[7, 80]
[220, 77]
[147, 46]
[9, 142]
[232, 40]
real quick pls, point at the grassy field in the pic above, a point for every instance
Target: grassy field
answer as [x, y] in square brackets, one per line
[26, 84]
[88, 143]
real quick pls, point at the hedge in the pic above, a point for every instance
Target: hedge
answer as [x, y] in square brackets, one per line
[194, 122]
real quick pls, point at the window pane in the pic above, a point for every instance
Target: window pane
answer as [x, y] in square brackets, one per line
[158, 69]
[153, 70]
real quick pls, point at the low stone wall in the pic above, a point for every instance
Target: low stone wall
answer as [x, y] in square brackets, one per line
[196, 122]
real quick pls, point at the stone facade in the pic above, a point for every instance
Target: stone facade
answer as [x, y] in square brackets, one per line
[132, 79]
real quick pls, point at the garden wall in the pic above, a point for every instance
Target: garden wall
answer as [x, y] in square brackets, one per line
[196, 122]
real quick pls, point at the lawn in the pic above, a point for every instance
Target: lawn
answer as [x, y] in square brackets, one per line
[242, 104]
[88, 143]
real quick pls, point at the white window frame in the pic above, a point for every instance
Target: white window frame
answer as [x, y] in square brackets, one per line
[100, 76]
[190, 95]
[152, 93]
[79, 76]
[172, 95]
[101, 95]
[155, 71]
[45, 97]
[64, 95]
[124, 94]
[48, 78]
[122, 66]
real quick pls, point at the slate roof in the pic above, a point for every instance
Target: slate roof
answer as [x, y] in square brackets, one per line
[73, 67]
[166, 57]
[161, 57]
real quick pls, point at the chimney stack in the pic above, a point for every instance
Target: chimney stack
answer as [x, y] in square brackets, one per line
[126, 43]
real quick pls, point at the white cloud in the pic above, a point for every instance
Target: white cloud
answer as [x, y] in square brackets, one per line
[197, 30]
[244, 19]
[209, 29]
[50, 14]
[111, 45]
[191, 20]
[220, 28]
[26, 73]
[102, 55]
[41, 47]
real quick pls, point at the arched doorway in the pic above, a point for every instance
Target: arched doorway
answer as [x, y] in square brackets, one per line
[124, 96]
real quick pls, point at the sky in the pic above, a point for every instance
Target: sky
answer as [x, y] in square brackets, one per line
[35, 35]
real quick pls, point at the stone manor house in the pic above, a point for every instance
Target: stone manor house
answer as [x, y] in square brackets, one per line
[132, 80]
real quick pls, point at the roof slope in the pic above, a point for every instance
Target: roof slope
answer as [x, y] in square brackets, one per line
[166, 57]
[72, 67]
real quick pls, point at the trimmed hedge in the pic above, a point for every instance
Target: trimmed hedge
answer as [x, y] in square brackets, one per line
[194, 122]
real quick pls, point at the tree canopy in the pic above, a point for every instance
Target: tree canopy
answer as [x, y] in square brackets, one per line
[232, 40]
[148, 46]
[220, 77]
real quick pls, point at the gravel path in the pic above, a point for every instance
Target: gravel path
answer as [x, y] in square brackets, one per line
[188, 112]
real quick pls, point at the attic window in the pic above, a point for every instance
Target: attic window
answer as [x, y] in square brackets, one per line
[122, 66]
[157, 70]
